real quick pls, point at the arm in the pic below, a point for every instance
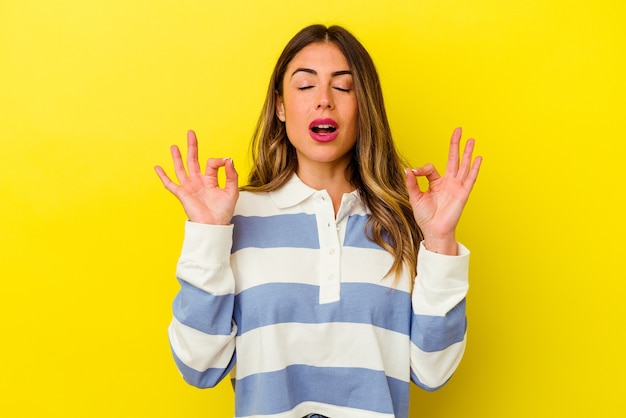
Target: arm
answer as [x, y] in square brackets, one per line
[438, 323]
[202, 332]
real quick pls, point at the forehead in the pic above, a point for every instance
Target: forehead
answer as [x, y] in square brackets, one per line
[319, 56]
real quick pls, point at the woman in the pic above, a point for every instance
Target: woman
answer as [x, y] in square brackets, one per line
[331, 279]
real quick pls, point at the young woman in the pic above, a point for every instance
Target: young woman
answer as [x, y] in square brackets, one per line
[330, 280]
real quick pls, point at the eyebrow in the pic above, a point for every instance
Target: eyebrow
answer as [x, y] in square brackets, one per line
[312, 71]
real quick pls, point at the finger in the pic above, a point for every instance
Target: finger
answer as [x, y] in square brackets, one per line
[212, 167]
[179, 167]
[232, 178]
[411, 184]
[453, 154]
[473, 174]
[192, 153]
[429, 171]
[466, 162]
[167, 182]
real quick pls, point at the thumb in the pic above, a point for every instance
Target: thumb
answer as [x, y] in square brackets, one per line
[232, 183]
[411, 184]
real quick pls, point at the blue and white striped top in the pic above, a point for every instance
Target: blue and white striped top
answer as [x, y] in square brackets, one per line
[295, 297]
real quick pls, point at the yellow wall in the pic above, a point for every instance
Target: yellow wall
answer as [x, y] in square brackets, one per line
[92, 93]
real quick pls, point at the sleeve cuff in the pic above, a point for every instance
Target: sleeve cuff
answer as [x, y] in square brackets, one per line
[207, 243]
[441, 282]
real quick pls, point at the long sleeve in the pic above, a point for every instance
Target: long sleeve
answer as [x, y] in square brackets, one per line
[438, 327]
[202, 331]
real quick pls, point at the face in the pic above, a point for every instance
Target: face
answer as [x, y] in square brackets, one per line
[319, 107]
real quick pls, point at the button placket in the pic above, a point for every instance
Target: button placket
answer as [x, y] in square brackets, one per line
[330, 264]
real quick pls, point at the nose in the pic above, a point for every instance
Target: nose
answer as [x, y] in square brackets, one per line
[325, 100]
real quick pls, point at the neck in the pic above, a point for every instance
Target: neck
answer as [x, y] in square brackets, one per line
[326, 178]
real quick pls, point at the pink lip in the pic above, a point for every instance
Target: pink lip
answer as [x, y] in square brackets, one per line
[323, 136]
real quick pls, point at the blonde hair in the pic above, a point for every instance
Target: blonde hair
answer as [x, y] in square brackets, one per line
[376, 168]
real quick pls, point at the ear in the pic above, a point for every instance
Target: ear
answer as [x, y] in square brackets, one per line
[280, 108]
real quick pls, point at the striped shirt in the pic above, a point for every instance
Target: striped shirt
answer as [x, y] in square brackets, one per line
[297, 298]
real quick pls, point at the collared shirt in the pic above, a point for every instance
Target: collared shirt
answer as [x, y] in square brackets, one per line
[297, 297]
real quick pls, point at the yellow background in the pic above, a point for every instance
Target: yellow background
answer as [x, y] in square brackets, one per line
[92, 93]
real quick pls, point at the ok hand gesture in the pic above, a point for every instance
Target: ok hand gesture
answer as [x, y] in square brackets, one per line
[437, 210]
[202, 198]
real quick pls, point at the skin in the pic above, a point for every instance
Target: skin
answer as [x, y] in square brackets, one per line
[200, 194]
[437, 210]
[318, 84]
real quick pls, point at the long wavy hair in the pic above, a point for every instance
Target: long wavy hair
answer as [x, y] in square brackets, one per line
[376, 168]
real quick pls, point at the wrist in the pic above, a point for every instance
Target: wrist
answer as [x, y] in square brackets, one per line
[209, 218]
[446, 245]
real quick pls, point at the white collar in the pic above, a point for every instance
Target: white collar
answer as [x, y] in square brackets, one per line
[295, 191]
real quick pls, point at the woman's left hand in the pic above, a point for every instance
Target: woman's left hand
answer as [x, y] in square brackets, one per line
[437, 210]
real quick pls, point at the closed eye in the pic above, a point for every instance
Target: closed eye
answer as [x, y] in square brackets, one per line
[305, 88]
[342, 89]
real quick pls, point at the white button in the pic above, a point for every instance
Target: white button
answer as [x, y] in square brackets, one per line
[331, 251]
[331, 277]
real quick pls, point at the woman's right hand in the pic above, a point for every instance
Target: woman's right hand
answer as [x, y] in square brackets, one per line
[202, 198]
